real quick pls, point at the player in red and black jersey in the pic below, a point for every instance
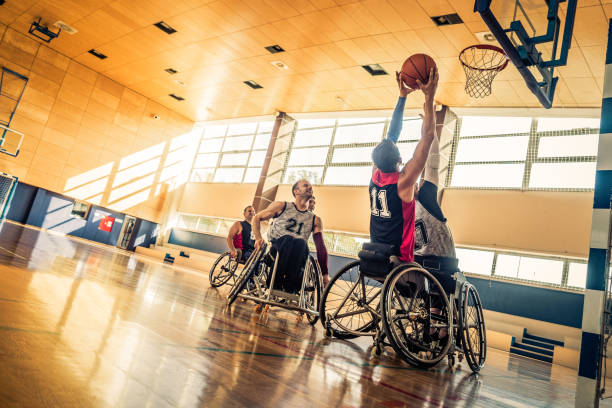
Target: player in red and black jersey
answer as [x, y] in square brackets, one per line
[391, 189]
[240, 238]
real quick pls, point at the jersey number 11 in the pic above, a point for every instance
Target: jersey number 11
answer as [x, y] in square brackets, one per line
[382, 197]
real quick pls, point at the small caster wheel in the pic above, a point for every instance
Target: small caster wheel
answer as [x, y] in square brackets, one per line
[328, 332]
[376, 350]
[451, 362]
[266, 308]
[257, 309]
[460, 357]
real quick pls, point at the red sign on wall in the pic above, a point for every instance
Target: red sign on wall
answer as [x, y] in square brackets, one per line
[106, 223]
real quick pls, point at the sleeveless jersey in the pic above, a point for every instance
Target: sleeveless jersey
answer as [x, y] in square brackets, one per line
[244, 240]
[292, 221]
[432, 236]
[391, 219]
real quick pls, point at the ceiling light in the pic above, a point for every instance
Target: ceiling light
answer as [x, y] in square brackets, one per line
[253, 84]
[97, 54]
[65, 27]
[179, 82]
[165, 27]
[178, 98]
[447, 19]
[273, 49]
[279, 64]
[171, 71]
[374, 69]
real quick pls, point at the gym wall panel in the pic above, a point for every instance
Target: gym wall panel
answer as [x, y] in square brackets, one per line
[84, 132]
[217, 199]
[541, 221]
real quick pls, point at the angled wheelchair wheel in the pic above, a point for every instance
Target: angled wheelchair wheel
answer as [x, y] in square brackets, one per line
[312, 289]
[249, 270]
[473, 332]
[222, 270]
[349, 303]
[415, 315]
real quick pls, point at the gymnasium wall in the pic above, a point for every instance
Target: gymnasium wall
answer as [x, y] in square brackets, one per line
[91, 138]
[539, 221]
[46, 209]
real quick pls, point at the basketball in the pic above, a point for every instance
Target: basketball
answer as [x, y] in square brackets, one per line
[417, 66]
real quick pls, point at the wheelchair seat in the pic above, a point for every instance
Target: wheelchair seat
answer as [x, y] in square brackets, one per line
[375, 260]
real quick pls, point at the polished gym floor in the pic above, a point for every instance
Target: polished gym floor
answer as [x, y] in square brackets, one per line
[83, 324]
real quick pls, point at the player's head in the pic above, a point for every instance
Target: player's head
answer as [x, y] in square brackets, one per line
[386, 156]
[311, 203]
[249, 212]
[302, 188]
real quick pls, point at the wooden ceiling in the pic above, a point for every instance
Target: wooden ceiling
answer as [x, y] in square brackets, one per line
[219, 44]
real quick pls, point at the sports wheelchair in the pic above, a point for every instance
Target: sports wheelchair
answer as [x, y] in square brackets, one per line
[224, 269]
[256, 283]
[422, 313]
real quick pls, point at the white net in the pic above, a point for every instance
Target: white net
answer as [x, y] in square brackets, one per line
[481, 64]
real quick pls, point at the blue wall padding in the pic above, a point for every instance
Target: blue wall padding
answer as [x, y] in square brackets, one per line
[196, 240]
[21, 203]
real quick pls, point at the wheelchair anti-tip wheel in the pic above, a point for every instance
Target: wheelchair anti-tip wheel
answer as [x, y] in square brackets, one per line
[222, 270]
[473, 332]
[348, 304]
[415, 315]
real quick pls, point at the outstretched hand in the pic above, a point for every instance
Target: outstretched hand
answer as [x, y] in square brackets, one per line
[429, 88]
[403, 89]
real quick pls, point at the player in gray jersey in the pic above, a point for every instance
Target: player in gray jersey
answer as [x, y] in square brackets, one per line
[294, 219]
[433, 237]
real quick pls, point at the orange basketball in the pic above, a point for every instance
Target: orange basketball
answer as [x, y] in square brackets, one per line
[417, 66]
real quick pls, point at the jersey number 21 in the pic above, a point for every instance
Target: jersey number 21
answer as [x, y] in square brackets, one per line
[382, 197]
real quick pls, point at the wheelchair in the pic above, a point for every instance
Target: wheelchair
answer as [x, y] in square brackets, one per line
[422, 313]
[224, 269]
[256, 283]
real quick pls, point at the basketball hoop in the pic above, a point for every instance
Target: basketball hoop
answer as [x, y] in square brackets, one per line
[481, 63]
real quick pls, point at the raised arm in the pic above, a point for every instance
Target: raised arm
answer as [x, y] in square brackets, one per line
[432, 166]
[235, 229]
[395, 127]
[272, 211]
[411, 171]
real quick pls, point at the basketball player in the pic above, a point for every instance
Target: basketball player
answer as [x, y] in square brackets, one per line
[392, 191]
[295, 219]
[239, 238]
[322, 258]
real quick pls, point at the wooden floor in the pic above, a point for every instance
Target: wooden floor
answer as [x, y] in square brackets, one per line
[87, 325]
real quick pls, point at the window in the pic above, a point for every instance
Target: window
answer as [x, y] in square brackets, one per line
[563, 175]
[494, 149]
[493, 125]
[314, 137]
[488, 175]
[577, 274]
[568, 146]
[229, 175]
[527, 268]
[352, 154]
[354, 134]
[312, 174]
[475, 261]
[308, 156]
[349, 176]
[555, 124]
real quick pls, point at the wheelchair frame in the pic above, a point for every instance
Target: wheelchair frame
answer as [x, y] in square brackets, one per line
[258, 290]
[459, 339]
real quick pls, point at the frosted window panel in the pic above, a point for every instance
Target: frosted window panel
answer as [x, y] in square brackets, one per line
[257, 158]
[242, 128]
[229, 175]
[540, 270]
[577, 275]
[568, 146]
[312, 174]
[237, 143]
[214, 131]
[309, 156]
[234, 159]
[314, 137]
[475, 261]
[315, 123]
[252, 175]
[206, 160]
[552, 124]
[262, 141]
[188, 221]
[562, 175]
[411, 129]
[353, 155]
[407, 150]
[488, 175]
[202, 175]
[359, 134]
[355, 121]
[265, 127]
[492, 149]
[348, 176]
[507, 265]
[212, 145]
[494, 125]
